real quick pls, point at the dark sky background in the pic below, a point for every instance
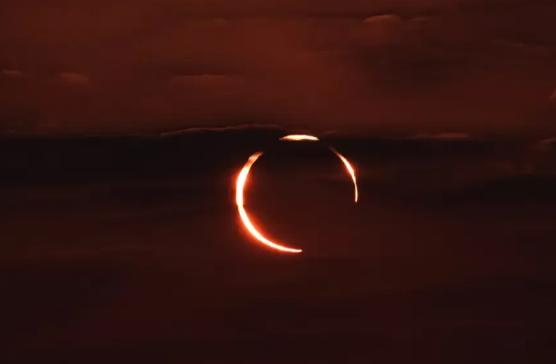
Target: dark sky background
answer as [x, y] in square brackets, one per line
[151, 65]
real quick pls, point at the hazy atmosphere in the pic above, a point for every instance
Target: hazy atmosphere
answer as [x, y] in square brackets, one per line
[155, 207]
[407, 65]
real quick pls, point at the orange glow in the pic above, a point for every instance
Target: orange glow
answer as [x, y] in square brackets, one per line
[242, 180]
[299, 137]
[350, 170]
[240, 185]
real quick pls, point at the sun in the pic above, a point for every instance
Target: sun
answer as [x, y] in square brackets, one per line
[243, 178]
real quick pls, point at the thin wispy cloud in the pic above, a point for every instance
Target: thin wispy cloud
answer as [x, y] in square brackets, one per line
[382, 19]
[74, 78]
[552, 97]
[10, 73]
[444, 136]
[219, 129]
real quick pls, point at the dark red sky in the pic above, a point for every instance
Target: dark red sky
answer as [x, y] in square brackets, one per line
[416, 65]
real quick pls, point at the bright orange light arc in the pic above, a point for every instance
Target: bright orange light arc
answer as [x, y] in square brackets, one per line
[242, 180]
[350, 170]
[300, 137]
[240, 201]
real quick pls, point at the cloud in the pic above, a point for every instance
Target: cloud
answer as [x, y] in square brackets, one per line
[552, 97]
[420, 19]
[74, 78]
[219, 129]
[548, 142]
[203, 79]
[524, 48]
[443, 136]
[382, 20]
[387, 30]
[9, 73]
